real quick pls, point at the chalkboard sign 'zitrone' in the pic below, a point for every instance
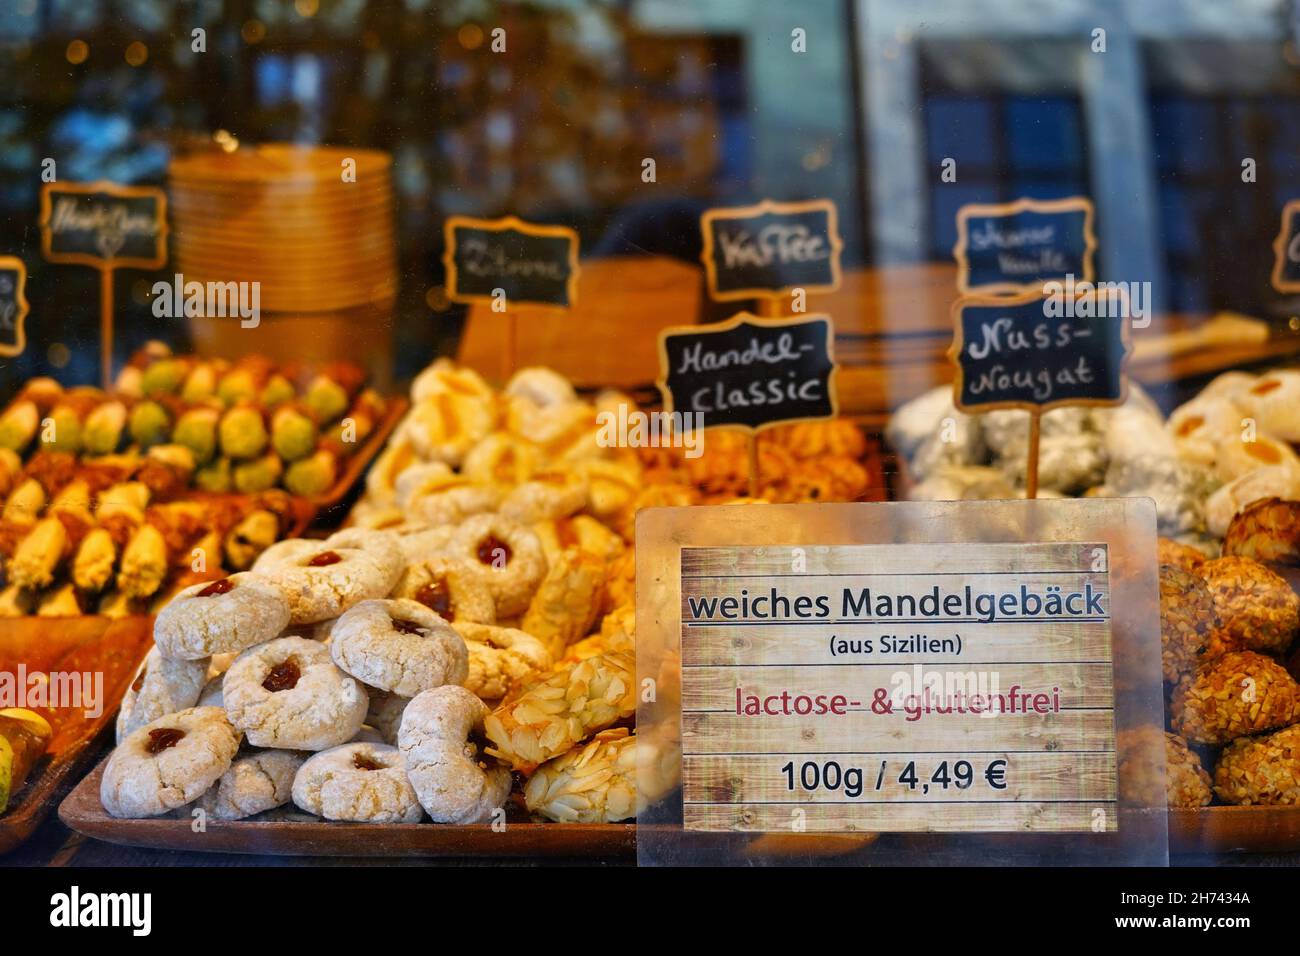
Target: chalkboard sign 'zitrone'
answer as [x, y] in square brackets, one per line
[530, 264]
[13, 305]
[1286, 248]
[104, 225]
[748, 372]
[771, 248]
[1036, 352]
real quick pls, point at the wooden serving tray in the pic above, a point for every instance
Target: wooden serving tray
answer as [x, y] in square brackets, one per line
[356, 464]
[83, 812]
[1234, 830]
[113, 647]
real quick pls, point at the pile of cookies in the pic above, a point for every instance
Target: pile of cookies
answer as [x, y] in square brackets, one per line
[1229, 629]
[467, 642]
[1232, 444]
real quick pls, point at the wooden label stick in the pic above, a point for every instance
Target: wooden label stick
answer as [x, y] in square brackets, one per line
[1031, 468]
[106, 326]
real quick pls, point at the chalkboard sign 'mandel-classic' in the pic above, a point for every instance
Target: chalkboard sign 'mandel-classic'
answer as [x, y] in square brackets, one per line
[531, 264]
[1032, 353]
[13, 305]
[104, 225]
[770, 249]
[750, 373]
[1016, 247]
[1286, 267]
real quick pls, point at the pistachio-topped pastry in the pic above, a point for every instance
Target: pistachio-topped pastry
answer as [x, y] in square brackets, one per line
[196, 429]
[243, 432]
[18, 425]
[101, 433]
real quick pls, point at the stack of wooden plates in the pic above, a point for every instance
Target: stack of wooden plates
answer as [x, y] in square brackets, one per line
[292, 218]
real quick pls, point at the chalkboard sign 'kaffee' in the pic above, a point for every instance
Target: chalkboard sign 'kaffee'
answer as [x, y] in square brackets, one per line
[749, 373]
[771, 248]
[1016, 247]
[13, 305]
[1037, 352]
[1286, 266]
[104, 225]
[531, 264]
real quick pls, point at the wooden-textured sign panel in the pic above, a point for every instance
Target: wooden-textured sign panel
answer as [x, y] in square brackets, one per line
[945, 687]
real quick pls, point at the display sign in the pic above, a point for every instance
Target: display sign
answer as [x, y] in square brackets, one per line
[1037, 352]
[749, 372]
[823, 674]
[1016, 247]
[527, 263]
[771, 248]
[13, 305]
[104, 225]
[1286, 249]
[954, 687]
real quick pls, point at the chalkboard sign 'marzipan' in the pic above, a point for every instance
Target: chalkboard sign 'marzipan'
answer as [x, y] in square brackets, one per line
[104, 225]
[13, 305]
[750, 373]
[770, 249]
[532, 264]
[1286, 266]
[1016, 247]
[1035, 353]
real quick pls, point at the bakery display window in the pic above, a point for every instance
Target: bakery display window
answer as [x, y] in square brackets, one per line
[342, 343]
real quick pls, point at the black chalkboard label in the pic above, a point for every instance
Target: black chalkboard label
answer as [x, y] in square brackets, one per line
[1037, 352]
[749, 372]
[531, 264]
[13, 305]
[771, 248]
[1016, 247]
[104, 225]
[1286, 268]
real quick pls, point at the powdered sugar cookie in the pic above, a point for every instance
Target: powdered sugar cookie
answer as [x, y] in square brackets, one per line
[455, 783]
[382, 544]
[168, 762]
[398, 646]
[421, 541]
[499, 656]
[385, 714]
[1201, 425]
[257, 781]
[502, 458]
[541, 387]
[220, 617]
[546, 495]
[451, 589]
[288, 694]
[323, 582]
[360, 782]
[441, 499]
[284, 552]
[508, 554]
[1273, 400]
[1236, 457]
[211, 695]
[162, 686]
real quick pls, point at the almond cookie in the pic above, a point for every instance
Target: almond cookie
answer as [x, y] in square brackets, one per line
[383, 544]
[1187, 622]
[454, 782]
[423, 542]
[398, 646]
[567, 602]
[1262, 771]
[452, 589]
[322, 582]
[257, 781]
[289, 695]
[498, 657]
[167, 763]
[162, 686]
[553, 712]
[1258, 609]
[502, 459]
[582, 532]
[219, 617]
[594, 783]
[357, 782]
[1240, 693]
[508, 554]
